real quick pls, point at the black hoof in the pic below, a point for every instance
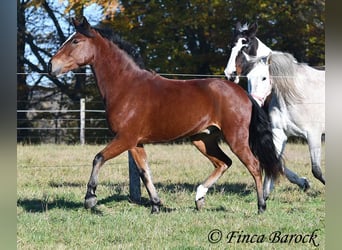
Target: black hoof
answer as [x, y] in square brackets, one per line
[199, 203]
[306, 186]
[155, 209]
[90, 202]
[261, 209]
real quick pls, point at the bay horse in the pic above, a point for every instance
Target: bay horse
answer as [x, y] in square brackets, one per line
[142, 107]
[294, 94]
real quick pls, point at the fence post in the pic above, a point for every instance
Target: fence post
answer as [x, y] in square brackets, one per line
[134, 180]
[82, 121]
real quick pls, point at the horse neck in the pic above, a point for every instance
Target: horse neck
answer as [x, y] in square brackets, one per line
[283, 72]
[113, 67]
[262, 50]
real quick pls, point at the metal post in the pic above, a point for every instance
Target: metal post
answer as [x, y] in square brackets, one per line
[134, 180]
[82, 121]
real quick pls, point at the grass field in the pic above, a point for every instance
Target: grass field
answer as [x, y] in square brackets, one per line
[52, 179]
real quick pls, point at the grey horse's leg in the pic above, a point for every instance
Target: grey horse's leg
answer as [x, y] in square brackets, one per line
[314, 141]
[280, 139]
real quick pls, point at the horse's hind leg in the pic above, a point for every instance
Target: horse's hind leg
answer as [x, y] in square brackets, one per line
[314, 141]
[280, 139]
[208, 145]
[139, 155]
[240, 147]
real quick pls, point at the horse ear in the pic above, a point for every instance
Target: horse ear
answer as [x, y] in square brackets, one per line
[265, 59]
[238, 26]
[268, 59]
[75, 22]
[85, 23]
[252, 30]
[83, 27]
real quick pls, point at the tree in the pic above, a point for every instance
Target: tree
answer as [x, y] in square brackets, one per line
[297, 27]
[191, 36]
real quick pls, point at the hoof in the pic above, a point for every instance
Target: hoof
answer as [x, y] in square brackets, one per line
[90, 202]
[199, 203]
[306, 185]
[261, 209]
[155, 209]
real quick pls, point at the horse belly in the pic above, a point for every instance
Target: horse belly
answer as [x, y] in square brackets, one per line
[174, 125]
[302, 118]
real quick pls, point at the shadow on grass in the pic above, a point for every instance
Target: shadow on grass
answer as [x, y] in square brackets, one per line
[42, 205]
[56, 184]
[311, 192]
[240, 189]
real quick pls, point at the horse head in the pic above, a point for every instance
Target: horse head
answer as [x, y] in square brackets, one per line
[244, 40]
[76, 51]
[258, 77]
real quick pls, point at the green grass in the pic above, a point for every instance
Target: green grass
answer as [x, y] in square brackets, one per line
[51, 184]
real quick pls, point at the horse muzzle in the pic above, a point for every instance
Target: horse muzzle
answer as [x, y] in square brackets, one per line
[234, 78]
[53, 69]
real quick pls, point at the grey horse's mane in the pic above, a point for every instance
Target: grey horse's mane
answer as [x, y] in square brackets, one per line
[283, 73]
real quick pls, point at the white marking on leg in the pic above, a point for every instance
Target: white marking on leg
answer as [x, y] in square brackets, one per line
[201, 191]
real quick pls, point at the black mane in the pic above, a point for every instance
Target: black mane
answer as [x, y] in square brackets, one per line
[129, 48]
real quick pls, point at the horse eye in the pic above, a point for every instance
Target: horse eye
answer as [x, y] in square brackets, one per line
[75, 41]
[264, 78]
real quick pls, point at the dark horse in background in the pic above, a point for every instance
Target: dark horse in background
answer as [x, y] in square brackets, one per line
[142, 107]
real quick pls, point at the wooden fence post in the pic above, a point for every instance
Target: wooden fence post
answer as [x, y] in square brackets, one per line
[82, 121]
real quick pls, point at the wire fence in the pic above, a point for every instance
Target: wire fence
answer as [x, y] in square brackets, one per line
[63, 125]
[68, 122]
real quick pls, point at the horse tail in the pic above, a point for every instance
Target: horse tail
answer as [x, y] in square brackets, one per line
[261, 142]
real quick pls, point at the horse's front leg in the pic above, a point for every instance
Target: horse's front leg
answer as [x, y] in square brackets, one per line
[139, 155]
[280, 139]
[90, 197]
[114, 148]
